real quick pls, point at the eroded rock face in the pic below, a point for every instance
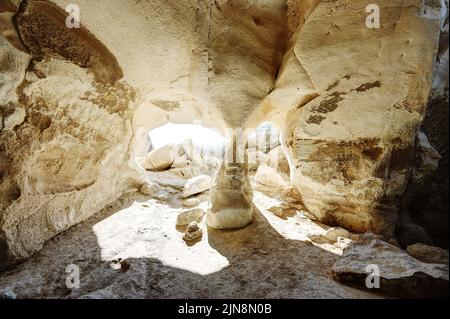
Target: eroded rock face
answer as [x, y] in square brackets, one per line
[66, 158]
[351, 149]
[73, 118]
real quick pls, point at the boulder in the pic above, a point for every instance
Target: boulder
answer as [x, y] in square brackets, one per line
[191, 202]
[189, 216]
[428, 254]
[267, 176]
[399, 273]
[160, 159]
[196, 185]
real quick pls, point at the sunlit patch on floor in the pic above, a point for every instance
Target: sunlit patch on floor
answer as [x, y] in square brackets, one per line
[147, 230]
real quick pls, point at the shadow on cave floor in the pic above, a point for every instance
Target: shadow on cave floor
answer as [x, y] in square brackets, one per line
[132, 249]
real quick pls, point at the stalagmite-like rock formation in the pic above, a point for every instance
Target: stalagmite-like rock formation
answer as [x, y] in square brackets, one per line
[231, 194]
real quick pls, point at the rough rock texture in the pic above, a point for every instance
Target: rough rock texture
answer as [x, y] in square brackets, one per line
[160, 159]
[399, 273]
[56, 161]
[351, 149]
[189, 216]
[428, 254]
[141, 232]
[196, 185]
[193, 232]
[269, 177]
[231, 193]
[76, 106]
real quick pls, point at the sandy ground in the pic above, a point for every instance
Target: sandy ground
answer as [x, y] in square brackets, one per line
[133, 249]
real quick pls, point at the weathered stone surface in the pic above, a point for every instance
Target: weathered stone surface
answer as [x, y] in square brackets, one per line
[428, 205]
[400, 274]
[277, 160]
[189, 216]
[191, 202]
[149, 188]
[230, 202]
[192, 152]
[428, 254]
[74, 118]
[160, 159]
[268, 176]
[334, 233]
[193, 232]
[231, 195]
[351, 148]
[180, 161]
[196, 185]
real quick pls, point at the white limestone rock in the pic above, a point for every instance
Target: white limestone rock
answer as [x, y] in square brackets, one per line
[268, 176]
[160, 159]
[189, 216]
[191, 202]
[196, 185]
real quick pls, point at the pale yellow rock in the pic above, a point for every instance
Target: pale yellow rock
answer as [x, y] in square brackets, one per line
[196, 185]
[160, 159]
[347, 100]
[187, 217]
[267, 176]
[193, 232]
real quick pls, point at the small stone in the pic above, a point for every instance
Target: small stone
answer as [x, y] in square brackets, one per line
[269, 177]
[343, 243]
[332, 234]
[428, 254]
[187, 217]
[191, 202]
[193, 232]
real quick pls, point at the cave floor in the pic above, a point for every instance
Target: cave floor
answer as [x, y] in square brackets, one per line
[132, 249]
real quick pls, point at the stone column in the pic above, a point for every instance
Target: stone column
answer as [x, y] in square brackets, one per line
[231, 195]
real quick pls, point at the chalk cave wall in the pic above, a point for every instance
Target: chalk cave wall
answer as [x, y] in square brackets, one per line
[76, 104]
